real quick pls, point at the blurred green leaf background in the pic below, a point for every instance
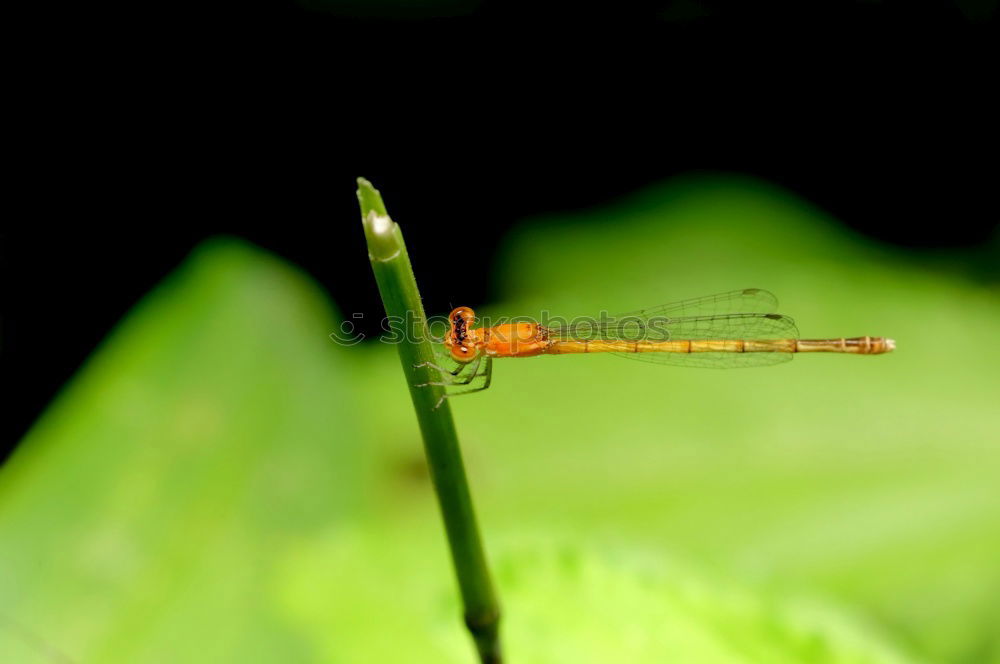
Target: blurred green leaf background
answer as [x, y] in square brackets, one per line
[223, 483]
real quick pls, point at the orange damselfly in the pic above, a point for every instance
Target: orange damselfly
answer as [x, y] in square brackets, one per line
[735, 329]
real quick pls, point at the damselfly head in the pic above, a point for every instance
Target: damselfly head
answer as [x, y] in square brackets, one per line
[461, 347]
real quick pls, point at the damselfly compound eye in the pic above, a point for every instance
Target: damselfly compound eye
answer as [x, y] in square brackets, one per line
[462, 314]
[463, 354]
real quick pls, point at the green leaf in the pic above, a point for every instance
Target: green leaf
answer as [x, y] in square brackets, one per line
[564, 605]
[143, 517]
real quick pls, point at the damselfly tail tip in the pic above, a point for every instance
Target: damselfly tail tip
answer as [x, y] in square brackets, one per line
[890, 344]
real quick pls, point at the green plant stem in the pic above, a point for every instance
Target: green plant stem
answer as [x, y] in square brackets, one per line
[398, 288]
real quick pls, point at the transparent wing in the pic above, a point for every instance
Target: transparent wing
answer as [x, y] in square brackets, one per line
[707, 328]
[736, 315]
[711, 360]
[726, 327]
[745, 300]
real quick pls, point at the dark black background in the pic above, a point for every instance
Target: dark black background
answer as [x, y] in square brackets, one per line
[142, 130]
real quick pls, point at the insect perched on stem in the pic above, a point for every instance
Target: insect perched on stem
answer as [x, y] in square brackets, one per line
[728, 330]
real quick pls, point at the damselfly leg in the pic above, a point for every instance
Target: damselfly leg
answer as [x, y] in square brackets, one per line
[486, 374]
[474, 376]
